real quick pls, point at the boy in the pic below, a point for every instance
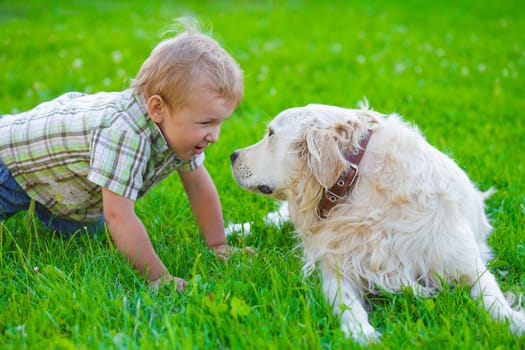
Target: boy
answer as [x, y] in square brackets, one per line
[85, 159]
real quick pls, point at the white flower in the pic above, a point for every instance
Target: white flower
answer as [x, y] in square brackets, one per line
[77, 63]
[116, 56]
[336, 48]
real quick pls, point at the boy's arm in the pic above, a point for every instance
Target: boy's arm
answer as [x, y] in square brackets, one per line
[130, 236]
[205, 205]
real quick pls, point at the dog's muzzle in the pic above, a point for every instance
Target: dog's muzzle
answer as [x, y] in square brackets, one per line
[264, 189]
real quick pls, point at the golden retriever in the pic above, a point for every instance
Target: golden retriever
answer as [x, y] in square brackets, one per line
[411, 217]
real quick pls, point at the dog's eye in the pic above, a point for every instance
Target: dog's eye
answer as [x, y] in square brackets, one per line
[270, 132]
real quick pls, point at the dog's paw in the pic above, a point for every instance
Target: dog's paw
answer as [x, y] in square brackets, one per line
[278, 218]
[364, 334]
[517, 323]
[244, 228]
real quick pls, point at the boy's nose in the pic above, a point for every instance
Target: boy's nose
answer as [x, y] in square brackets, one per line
[213, 136]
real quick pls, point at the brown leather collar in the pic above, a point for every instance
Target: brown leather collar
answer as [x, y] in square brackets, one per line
[346, 181]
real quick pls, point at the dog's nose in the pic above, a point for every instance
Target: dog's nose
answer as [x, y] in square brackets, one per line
[234, 156]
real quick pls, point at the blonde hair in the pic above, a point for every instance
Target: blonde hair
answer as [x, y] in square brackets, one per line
[188, 60]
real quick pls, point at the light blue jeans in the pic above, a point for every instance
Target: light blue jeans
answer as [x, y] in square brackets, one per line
[13, 199]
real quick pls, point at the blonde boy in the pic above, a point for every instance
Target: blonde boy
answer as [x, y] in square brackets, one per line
[85, 159]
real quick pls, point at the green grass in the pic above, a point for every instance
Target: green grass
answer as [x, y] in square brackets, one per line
[455, 68]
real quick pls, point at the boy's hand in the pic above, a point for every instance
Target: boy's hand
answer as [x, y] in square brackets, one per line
[224, 251]
[167, 278]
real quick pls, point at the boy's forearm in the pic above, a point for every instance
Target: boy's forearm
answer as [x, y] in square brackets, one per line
[206, 206]
[208, 215]
[130, 236]
[133, 242]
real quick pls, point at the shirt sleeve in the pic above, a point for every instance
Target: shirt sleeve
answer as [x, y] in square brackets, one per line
[192, 164]
[118, 161]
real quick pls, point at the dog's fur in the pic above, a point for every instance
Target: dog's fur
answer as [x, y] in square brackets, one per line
[414, 219]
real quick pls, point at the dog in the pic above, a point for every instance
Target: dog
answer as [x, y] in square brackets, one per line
[377, 208]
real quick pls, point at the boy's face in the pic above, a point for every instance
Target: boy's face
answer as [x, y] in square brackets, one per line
[190, 129]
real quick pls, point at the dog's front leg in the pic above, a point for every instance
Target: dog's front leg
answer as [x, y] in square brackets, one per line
[486, 288]
[349, 305]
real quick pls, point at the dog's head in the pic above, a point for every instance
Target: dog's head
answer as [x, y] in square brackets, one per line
[302, 145]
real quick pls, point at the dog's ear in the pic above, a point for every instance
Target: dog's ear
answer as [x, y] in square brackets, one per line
[323, 154]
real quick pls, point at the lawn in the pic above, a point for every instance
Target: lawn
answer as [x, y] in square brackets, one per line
[455, 68]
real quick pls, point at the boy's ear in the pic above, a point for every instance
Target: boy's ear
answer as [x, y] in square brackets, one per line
[155, 105]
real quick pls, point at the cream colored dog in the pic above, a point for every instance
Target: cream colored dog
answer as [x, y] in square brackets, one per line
[412, 219]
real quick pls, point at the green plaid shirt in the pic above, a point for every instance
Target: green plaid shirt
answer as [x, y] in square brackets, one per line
[63, 151]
